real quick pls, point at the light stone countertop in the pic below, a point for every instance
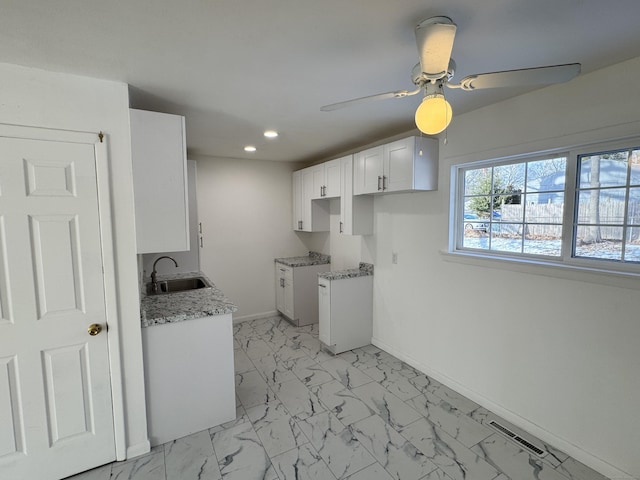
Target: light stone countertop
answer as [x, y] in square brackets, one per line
[314, 258]
[364, 270]
[181, 306]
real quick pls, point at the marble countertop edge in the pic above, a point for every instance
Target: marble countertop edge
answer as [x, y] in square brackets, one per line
[314, 258]
[364, 270]
[181, 306]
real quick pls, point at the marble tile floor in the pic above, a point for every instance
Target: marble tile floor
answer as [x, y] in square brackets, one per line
[361, 415]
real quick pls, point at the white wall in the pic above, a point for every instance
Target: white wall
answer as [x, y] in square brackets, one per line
[557, 356]
[43, 99]
[245, 207]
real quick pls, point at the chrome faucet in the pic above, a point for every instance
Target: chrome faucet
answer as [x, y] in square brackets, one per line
[154, 273]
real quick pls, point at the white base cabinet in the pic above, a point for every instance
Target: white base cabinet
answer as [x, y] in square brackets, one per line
[189, 376]
[297, 292]
[345, 309]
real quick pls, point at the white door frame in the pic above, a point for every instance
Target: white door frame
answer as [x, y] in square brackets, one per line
[103, 181]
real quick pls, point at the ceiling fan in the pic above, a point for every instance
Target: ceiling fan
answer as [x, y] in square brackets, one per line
[434, 37]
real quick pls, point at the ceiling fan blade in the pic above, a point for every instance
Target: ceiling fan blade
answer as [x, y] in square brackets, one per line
[434, 37]
[516, 78]
[379, 96]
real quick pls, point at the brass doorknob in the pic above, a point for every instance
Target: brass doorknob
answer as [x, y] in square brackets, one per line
[94, 329]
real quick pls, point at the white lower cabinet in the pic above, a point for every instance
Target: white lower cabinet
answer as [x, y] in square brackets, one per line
[189, 376]
[297, 292]
[284, 289]
[345, 308]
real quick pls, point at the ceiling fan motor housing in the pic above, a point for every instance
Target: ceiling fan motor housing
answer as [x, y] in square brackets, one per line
[418, 77]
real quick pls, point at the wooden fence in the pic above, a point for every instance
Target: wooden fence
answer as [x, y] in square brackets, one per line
[545, 220]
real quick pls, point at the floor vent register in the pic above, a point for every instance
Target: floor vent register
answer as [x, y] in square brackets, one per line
[518, 439]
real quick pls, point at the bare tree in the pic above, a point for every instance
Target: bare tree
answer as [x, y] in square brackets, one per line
[593, 233]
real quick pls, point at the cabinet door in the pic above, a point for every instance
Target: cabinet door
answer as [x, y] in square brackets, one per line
[317, 173]
[398, 165]
[368, 171]
[279, 289]
[314, 213]
[332, 178]
[287, 300]
[159, 156]
[324, 311]
[297, 201]
[346, 195]
[307, 196]
[356, 213]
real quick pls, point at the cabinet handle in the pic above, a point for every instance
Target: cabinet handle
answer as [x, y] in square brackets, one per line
[200, 227]
[282, 282]
[299, 224]
[201, 243]
[321, 285]
[379, 180]
[384, 182]
[340, 227]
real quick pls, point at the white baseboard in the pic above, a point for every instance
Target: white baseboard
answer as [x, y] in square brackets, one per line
[570, 449]
[255, 316]
[139, 449]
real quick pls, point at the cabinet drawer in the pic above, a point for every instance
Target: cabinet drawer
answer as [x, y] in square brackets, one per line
[285, 271]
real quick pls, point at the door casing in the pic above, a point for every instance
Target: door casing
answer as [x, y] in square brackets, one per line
[100, 142]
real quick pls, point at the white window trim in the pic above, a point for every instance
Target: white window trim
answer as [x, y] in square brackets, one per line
[565, 266]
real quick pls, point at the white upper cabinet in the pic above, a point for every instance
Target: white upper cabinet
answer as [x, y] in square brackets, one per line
[326, 179]
[159, 155]
[309, 214]
[405, 165]
[356, 213]
[368, 166]
[332, 177]
[298, 204]
[317, 173]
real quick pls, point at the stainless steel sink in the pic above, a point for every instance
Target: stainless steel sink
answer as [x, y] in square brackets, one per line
[179, 285]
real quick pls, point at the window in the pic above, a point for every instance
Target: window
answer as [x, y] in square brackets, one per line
[579, 207]
[608, 206]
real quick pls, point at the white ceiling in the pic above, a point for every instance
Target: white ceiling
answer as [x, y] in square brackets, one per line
[236, 68]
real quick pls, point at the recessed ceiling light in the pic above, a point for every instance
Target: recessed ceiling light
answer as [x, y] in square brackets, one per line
[249, 148]
[270, 134]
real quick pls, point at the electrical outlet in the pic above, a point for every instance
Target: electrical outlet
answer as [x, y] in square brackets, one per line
[394, 258]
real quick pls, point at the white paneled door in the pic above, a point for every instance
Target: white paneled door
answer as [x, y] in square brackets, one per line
[56, 414]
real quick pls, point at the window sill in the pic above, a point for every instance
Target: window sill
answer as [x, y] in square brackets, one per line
[549, 269]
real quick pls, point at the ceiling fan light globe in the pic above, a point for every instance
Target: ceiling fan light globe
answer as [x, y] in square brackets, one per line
[433, 115]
